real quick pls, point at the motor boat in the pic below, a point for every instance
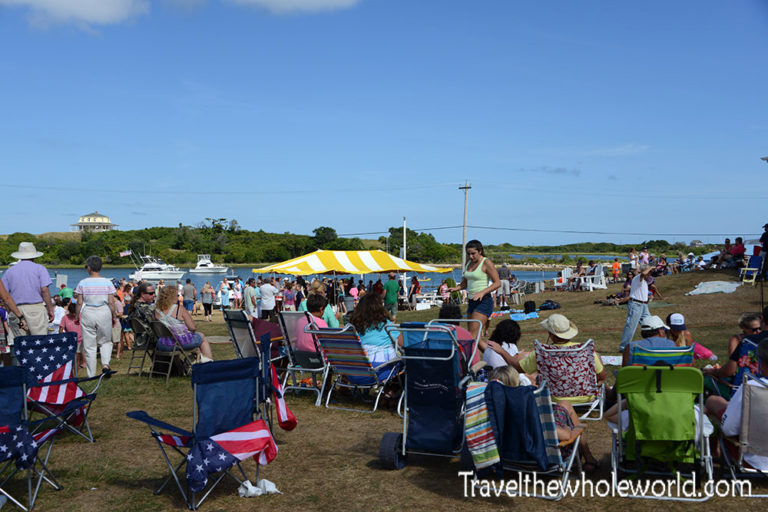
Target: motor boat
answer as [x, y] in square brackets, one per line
[153, 269]
[206, 266]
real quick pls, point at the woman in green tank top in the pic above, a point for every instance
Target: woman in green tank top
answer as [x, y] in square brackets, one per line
[480, 270]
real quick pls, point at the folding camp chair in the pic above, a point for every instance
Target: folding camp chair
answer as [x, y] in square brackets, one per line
[350, 364]
[21, 450]
[163, 358]
[301, 360]
[748, 274]
[224, 432]
[436, 377]
[246, 334]
[570, 372]
[140, 352]
[753, 433]
[514, 429]
[664, 427]
[55, 392]
[678, 356]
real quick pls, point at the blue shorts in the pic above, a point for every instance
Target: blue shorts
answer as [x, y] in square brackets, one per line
[189, 305]
[483, 306]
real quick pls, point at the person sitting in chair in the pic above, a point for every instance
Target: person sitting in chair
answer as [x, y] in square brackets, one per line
[729, 411]
[561, 333]
[180, 323]
[316, 306]
[654, 334]
[369, 318]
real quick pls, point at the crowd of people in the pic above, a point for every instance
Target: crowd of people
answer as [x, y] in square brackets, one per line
[100, 312]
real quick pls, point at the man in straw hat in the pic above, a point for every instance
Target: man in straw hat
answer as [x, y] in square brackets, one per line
[27, 282]
[561, 332]
[637, 307]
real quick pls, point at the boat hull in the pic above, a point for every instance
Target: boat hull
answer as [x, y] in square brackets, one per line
[210, 270]
[141, 275]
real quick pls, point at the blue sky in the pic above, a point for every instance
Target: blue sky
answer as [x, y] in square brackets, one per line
[286, 115]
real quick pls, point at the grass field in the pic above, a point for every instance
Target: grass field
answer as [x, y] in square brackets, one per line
[330, 461]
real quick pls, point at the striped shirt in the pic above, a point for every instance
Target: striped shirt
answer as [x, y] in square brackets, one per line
[95, 291]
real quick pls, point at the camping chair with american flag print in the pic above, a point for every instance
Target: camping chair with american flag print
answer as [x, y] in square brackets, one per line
[55, 391]
[21, 450]
[224, 432]
[350, 364]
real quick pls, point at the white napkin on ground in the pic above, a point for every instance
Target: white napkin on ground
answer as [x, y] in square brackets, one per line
[248, 490]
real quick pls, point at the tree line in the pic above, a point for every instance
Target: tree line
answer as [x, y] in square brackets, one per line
[226, 241]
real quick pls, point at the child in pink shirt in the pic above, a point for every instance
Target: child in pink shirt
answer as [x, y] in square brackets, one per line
[69, 324]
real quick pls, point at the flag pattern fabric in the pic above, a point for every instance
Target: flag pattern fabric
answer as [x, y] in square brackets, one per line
[222, 451]
[16, 442]
[346, 262]
[51, 359]
[178, 441]
[285, 417]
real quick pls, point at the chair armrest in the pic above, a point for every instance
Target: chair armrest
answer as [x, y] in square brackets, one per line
[152, 422]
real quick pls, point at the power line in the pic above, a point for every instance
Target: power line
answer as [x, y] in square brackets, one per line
[561, 231]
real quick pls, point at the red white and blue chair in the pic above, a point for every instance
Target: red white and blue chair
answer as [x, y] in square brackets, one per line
[55, 391]
[224, 435]
[20, 449]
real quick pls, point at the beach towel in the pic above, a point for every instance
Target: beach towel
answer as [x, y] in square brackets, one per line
[715, 287]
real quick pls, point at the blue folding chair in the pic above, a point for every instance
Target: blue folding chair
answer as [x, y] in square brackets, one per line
[20, 449]
[54, 391]
[678, 356]
[224, 432]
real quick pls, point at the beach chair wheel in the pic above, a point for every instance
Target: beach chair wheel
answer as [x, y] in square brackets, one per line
[390, 451]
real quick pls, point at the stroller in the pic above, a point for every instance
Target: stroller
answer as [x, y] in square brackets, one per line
[436, 378]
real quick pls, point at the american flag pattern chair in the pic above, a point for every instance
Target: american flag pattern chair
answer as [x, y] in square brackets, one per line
[54, 389]
[224, 434]
[21, 450]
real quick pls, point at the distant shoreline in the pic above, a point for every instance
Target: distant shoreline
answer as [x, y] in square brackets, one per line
[546, 267]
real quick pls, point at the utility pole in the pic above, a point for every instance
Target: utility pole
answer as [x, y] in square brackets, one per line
[405, 244]
[465, 188]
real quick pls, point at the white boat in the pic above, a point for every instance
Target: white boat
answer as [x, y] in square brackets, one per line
[154, 270]
[206, 266]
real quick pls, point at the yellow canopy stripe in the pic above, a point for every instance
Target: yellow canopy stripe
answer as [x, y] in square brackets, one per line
[346, 262]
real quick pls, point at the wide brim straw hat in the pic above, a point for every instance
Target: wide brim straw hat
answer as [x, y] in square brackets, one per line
[560, 326]
[26, 251]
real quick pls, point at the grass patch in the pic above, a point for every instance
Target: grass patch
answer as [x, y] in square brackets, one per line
[330, 461]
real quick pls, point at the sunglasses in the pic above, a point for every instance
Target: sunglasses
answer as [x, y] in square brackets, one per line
[754, 329]
[150, 293]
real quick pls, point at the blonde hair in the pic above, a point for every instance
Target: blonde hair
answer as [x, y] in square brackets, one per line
[317, 287]
[507, 375]
[167, 297]
[678, 337]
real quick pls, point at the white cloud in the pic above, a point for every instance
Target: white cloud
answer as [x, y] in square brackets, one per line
[88, 12]
[284, 6]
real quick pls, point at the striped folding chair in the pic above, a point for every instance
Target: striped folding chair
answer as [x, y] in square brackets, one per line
[497, 445]
[678, 356]
[350, 364]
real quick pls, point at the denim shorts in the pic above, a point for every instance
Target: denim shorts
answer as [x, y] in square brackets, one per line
[483, 306]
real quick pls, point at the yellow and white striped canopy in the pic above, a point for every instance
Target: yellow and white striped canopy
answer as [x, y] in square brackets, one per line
[346, 262]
